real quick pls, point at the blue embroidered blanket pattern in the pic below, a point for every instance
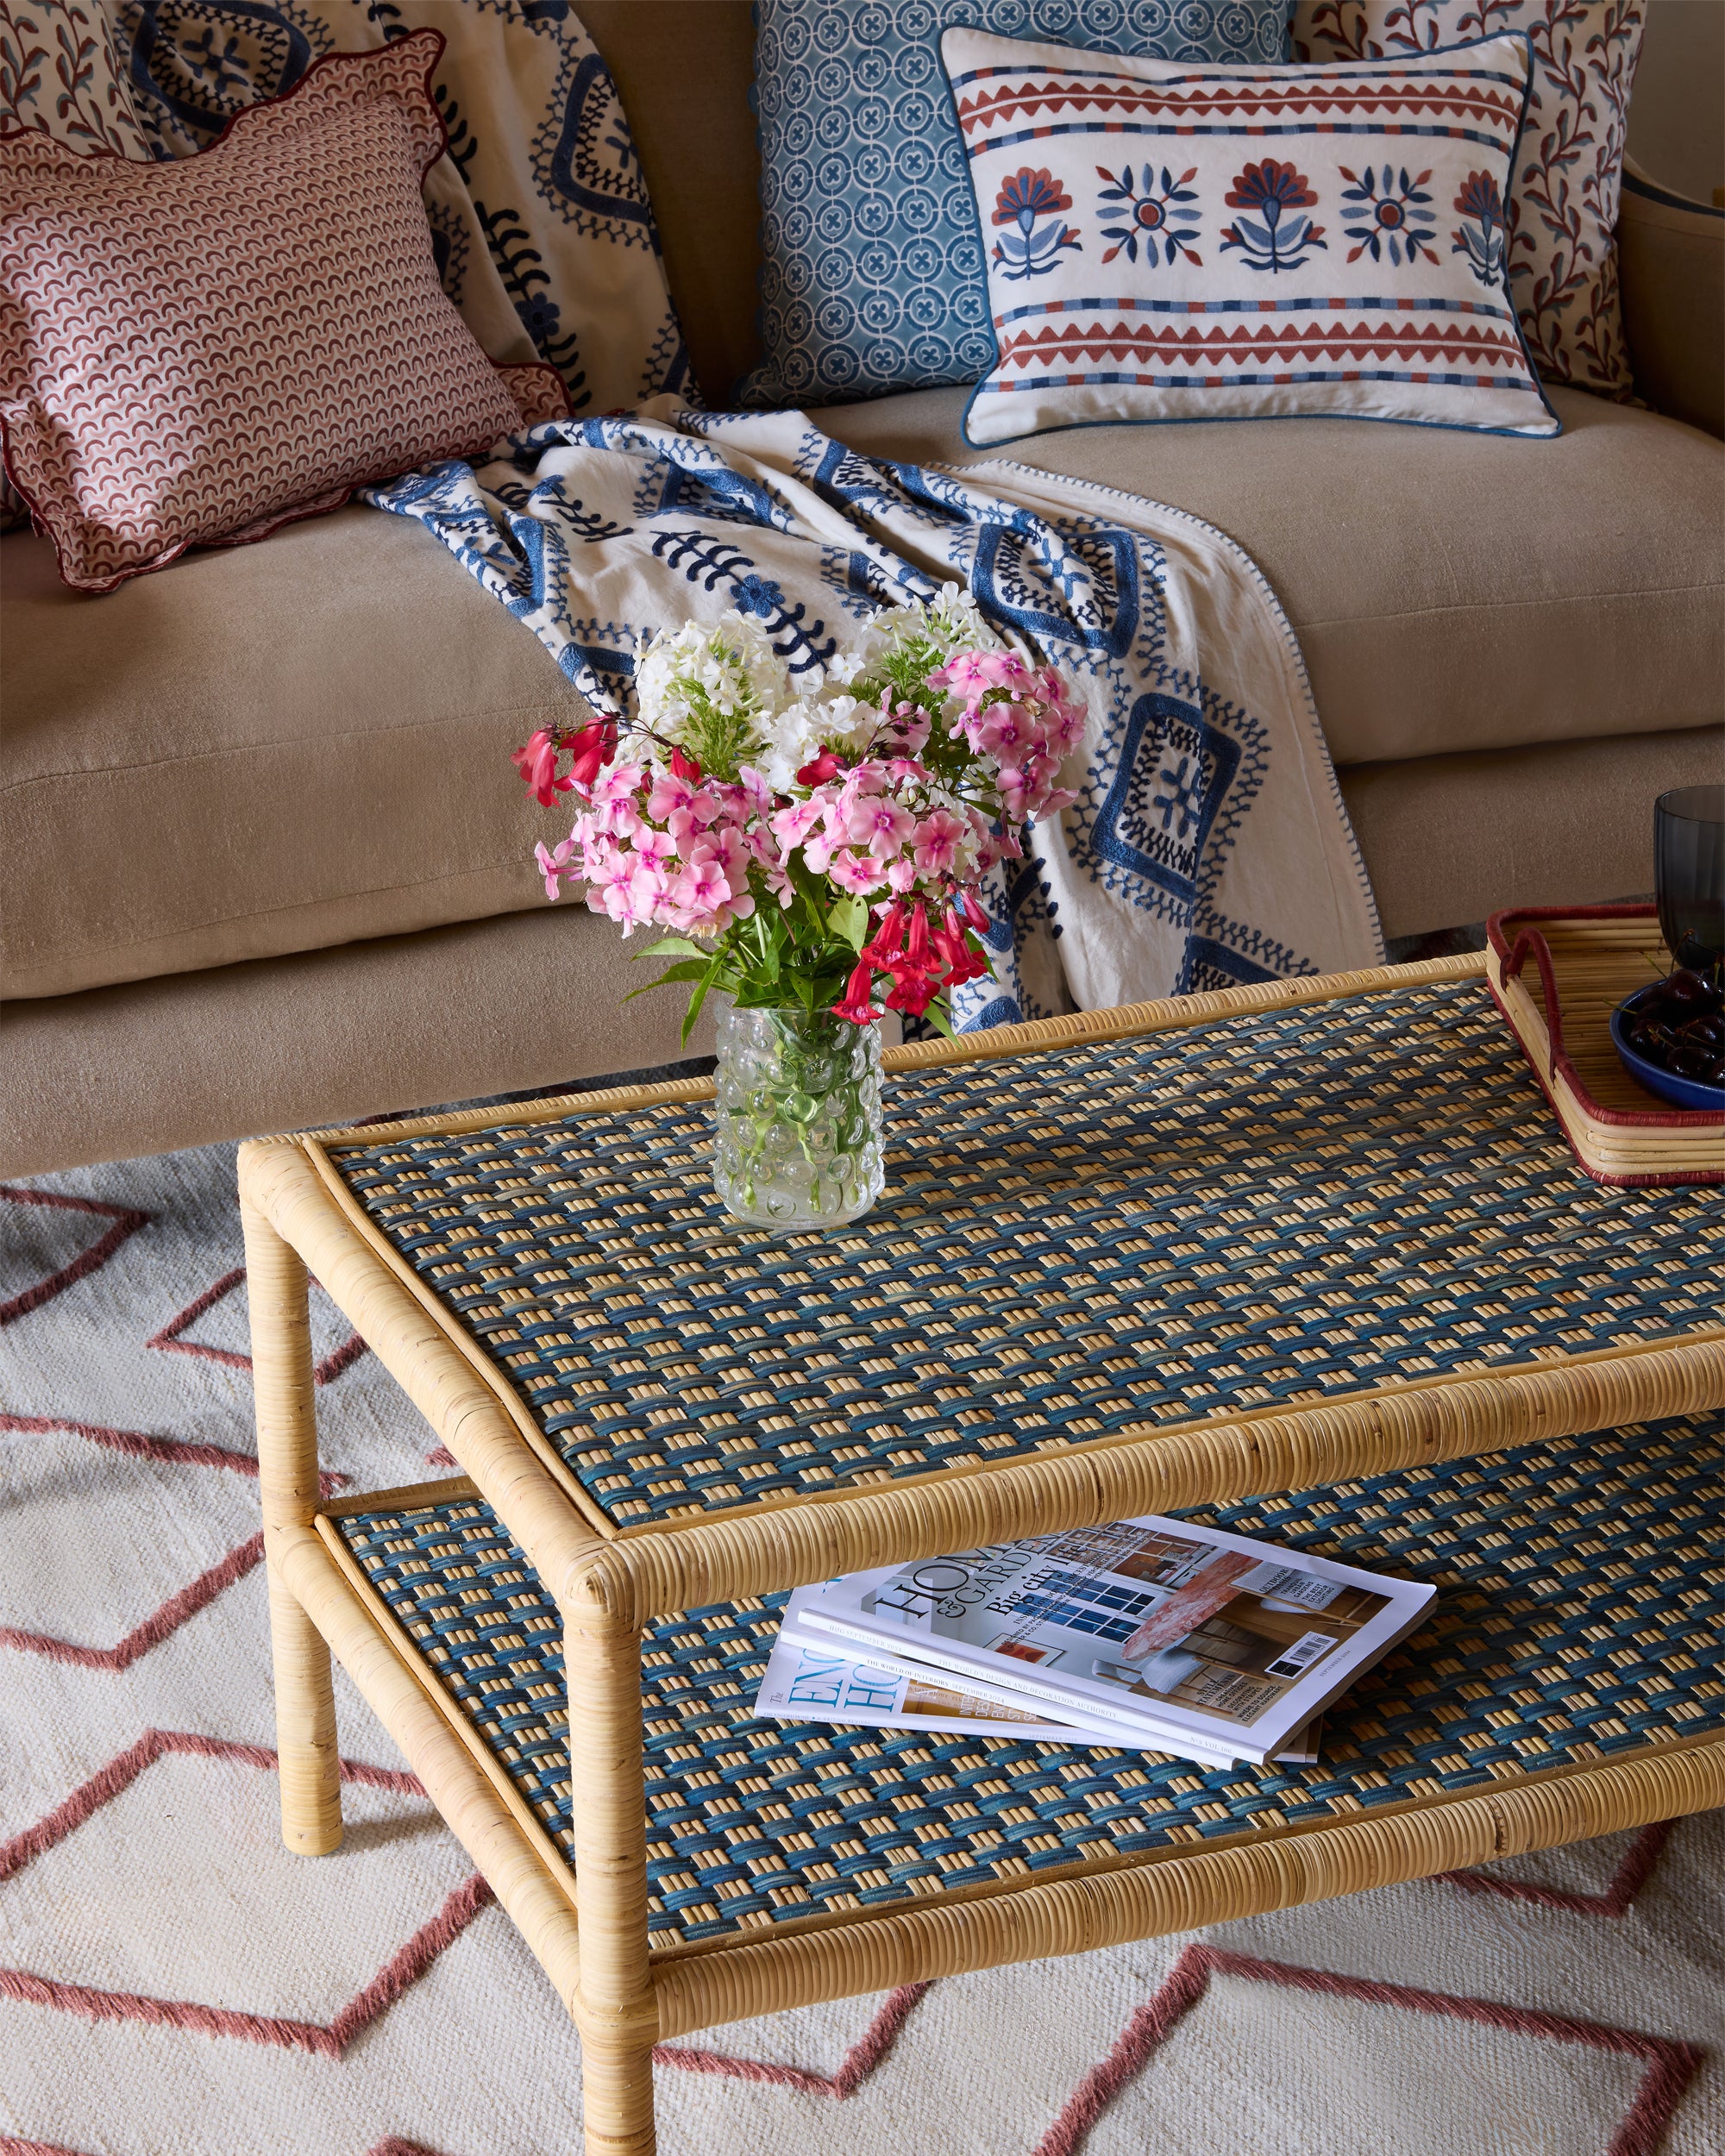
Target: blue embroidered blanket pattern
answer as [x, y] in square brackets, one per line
[1208, 845]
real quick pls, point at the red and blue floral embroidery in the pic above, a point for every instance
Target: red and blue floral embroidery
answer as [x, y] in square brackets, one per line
[1481, 236]
[1274, 240]
[1394, 219]
[1158, 218]
[1025, 249]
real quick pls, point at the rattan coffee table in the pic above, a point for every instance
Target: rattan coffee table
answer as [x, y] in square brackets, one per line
[1285, 1252]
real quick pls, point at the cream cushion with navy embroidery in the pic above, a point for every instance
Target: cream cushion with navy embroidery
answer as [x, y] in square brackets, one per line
[1168, 242]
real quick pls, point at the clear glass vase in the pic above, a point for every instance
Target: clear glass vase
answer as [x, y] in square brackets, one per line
[797, 1138]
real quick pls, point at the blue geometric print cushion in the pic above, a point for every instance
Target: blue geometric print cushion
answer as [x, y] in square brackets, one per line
[1220, 242]
[871, 276]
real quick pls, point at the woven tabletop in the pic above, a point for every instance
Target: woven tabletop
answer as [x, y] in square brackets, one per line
[1274, 1207]
[1581, 1599]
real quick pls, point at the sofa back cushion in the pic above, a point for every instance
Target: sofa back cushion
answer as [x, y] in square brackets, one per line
[872, 279]
[193, 352]
[1562, 207]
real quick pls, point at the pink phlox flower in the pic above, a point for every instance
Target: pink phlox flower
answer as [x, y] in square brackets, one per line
[553, 862]
[906, 771]
[857, 872]
[1000, 731]
[701, 898]
[757, 796]
[934, 844]
[685, 824]
[881, 824]
[655, 846]
[792, 823]
[536, 762]
[671, 794]
[971, 674]
[627, 888]
[901, 875]
[621, 783]
[726, 845]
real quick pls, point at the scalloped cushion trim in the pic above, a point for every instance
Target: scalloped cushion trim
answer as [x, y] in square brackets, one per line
[136, 423]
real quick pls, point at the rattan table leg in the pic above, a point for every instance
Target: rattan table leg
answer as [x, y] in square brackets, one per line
[287, 1471]
[616, 2007]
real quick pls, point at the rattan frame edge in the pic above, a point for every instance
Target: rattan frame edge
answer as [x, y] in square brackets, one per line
[1075, 1915]
[279, 1183]
[1164, 1014]
[389, 1627]
[512, 1867]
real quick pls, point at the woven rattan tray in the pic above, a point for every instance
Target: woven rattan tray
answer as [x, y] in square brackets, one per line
[1557, 977]
[1197, 1253]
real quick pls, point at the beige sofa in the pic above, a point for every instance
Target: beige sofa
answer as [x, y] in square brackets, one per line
[265, 862]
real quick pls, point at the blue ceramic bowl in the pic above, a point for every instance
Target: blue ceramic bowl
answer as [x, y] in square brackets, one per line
[1682, 1092]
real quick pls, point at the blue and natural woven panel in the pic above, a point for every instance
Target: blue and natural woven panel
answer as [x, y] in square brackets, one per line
[1273, 1208]
[1582, 1599]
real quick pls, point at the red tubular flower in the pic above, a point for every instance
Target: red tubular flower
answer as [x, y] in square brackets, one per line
[594, 747]
[974, 913]
[686, 768]
[536, 762]
[856, 1005]
[825, 766]
[885, 947]
[954, 951]
[913, 990]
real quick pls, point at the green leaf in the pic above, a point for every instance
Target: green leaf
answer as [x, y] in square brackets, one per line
[849, 920]
[675, 947]
[685, 969]
[700, 994]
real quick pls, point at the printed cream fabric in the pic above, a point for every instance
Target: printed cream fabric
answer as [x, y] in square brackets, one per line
[1561, 219]
[540, 218]
[193, 352]
[1175, 242]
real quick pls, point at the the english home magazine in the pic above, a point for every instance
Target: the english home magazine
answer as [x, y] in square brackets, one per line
[1167, 1636]
[811, 1679]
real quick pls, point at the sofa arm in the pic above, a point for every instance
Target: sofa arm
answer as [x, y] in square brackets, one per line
[1671, 253]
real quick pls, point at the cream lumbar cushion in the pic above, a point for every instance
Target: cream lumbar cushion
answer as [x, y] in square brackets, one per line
[1170, 241]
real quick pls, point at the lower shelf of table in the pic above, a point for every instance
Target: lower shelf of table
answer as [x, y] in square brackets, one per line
[1567, 1679]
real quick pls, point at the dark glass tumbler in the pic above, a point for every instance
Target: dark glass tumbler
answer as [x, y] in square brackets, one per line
[1689, 873]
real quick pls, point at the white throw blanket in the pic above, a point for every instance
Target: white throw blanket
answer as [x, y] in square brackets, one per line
[1208, 844]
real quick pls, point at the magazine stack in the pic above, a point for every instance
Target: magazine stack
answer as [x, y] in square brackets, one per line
[1150, 1634]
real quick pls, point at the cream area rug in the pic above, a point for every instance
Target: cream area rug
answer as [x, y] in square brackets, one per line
[172, 1983]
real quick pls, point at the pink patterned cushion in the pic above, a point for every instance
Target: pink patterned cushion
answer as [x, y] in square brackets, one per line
[191, 353]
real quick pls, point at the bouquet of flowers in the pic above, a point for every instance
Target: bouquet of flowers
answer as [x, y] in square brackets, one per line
[803, 837]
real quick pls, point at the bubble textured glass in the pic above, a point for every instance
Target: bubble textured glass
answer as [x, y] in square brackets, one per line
[797, 1141]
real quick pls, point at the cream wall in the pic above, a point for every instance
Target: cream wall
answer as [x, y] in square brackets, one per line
[1677, 111]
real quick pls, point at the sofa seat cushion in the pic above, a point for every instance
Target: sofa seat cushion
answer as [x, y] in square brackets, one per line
[306, 743]
[1451, 591]
[264, 749]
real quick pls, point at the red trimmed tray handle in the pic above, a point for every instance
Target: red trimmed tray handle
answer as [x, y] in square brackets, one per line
[1531, 939]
